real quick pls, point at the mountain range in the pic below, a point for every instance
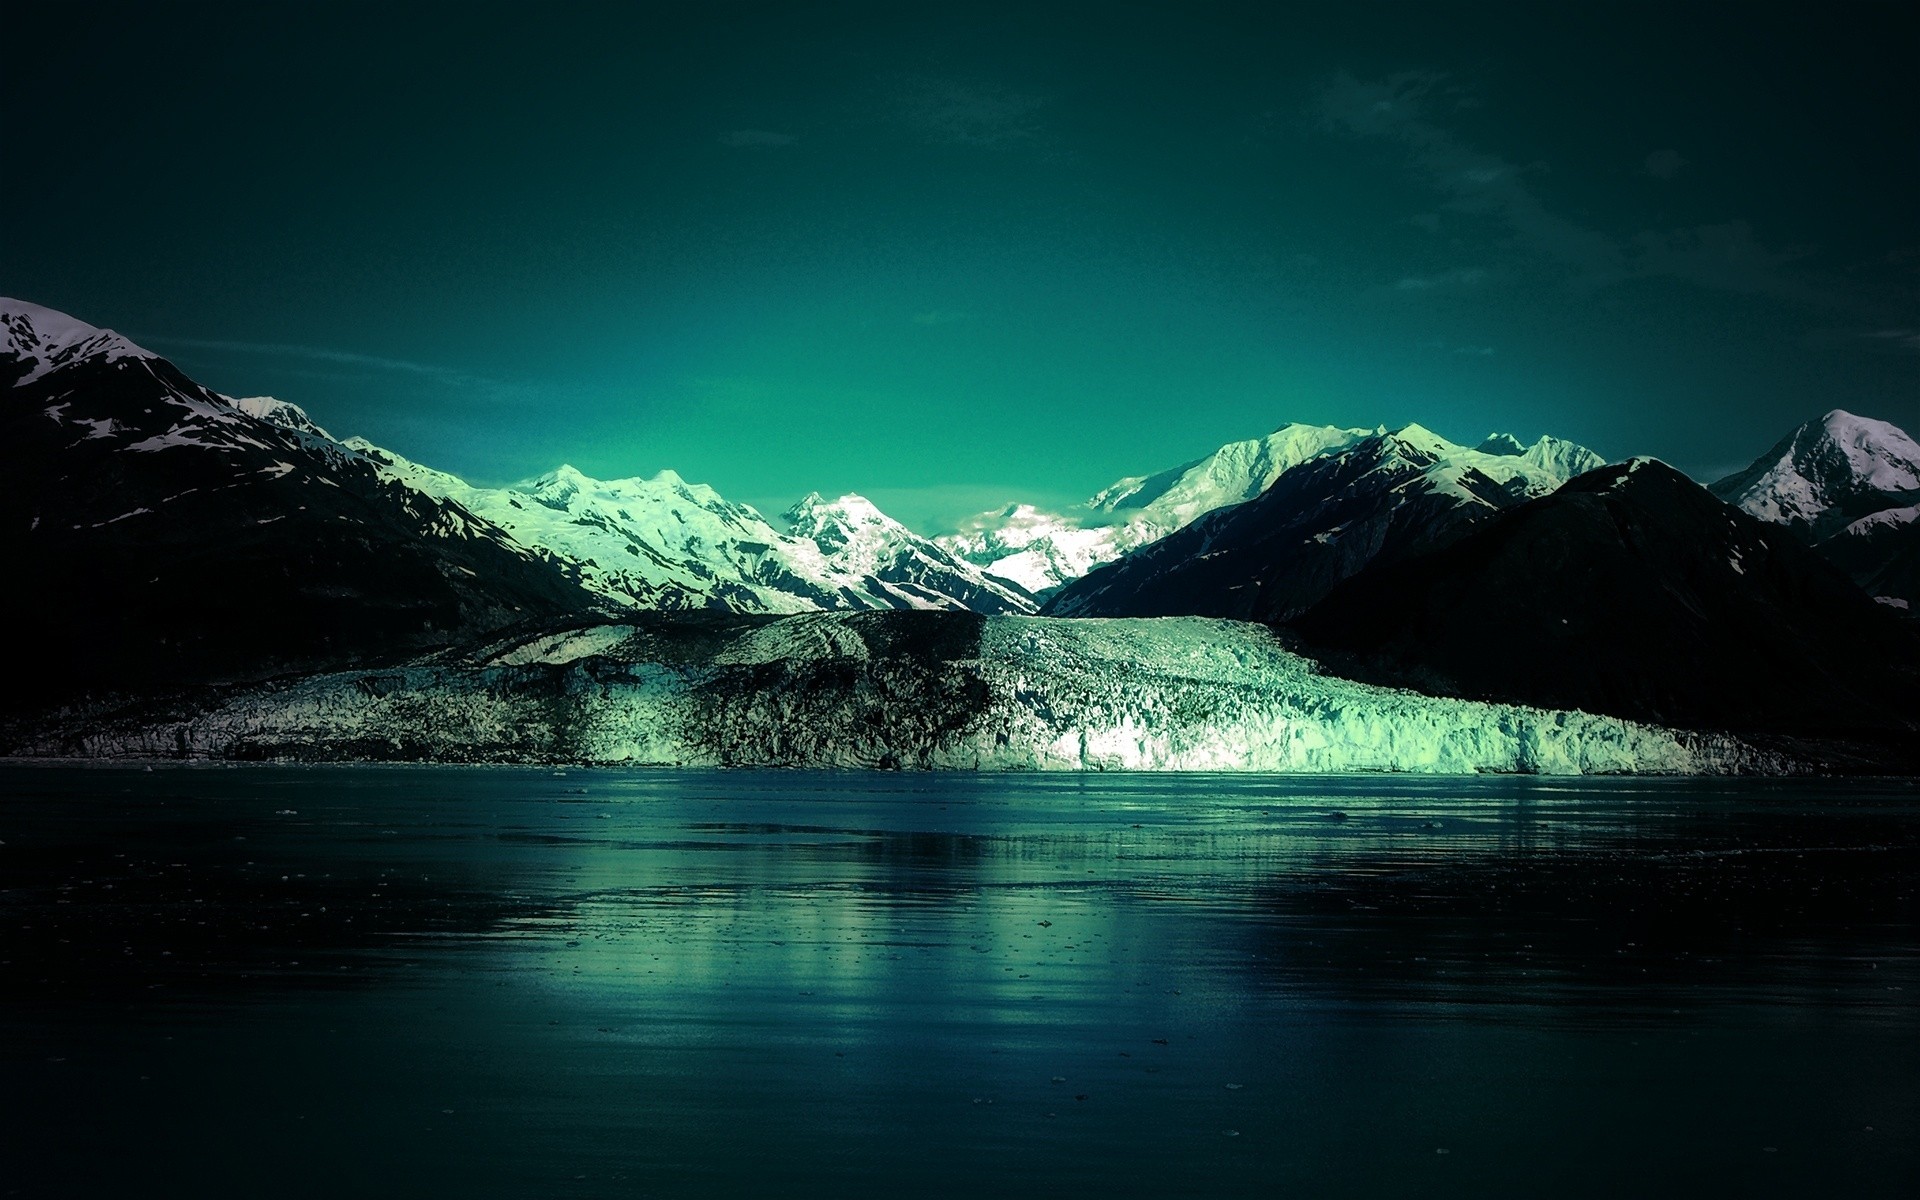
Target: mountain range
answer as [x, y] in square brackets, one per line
[1634, 591]
[1368, 499]
[172, 537]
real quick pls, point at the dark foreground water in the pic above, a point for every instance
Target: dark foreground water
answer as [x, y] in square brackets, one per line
[407, 982]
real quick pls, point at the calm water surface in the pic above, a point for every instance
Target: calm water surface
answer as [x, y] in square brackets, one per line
[484, 982]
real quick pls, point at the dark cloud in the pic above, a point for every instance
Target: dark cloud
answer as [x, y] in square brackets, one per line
[1477, 183]
[1726, 256]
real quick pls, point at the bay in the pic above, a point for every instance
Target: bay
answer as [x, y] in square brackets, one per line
[523, 982]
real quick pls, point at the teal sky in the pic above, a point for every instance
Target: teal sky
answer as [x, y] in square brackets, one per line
[953, 255]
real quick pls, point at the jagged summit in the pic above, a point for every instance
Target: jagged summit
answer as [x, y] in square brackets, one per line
[283, 413]
[1042, 550]
[1421, 438]
[1501, 443]
[35, 340]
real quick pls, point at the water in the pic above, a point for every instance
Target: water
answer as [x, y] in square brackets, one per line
[486, 982]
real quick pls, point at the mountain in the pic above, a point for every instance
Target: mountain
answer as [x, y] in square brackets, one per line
[1324, 519]
[1041, 550]
[1849, 486]
[1634, 591]
[1827, 474]
[157, 531]
[664, 543]
[1881, 553]
[871, 555]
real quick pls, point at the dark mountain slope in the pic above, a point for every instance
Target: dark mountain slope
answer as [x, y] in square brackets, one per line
[1633, 591]
[1276, 555]
[158, 535]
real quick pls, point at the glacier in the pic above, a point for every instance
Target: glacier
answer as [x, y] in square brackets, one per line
[921, 690]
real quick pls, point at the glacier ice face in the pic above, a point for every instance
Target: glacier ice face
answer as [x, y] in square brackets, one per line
[924, 690]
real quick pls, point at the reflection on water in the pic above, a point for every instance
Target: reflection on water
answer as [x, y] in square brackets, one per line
[526, 983]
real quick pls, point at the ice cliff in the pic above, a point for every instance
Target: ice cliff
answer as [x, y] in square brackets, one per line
[903, 689]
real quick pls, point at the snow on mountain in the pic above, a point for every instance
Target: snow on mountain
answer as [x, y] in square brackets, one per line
[283, 413]
[1037, 549]
[664, 543]
[1322, 520]
[165, 534]
[1827, 474]
[1887, 518]
[1633, 591]
[1042, 551]
[1848, 485]
[867, 552]
[927, 690]
[36, 340]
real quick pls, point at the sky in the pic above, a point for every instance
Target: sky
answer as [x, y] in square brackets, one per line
[951, 256]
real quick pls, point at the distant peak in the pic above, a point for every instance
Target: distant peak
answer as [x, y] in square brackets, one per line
[848, 507]
[1503, 444]
[1637, 472]
[565, 478]
[274, 411]
[50, 339]
[1421, 438]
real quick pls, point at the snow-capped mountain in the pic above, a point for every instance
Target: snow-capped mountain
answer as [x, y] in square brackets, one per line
[1323, 519]
[162, 532]
[1827, 474]
[664, 543]
[36, 340]
[1041, 550]
[652, 543]
[283, 413]
[1850, 486]
[1634, 591]
[869, 554]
